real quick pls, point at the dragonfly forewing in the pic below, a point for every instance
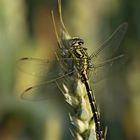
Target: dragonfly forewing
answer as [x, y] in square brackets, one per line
[45, 68]
[108, 48]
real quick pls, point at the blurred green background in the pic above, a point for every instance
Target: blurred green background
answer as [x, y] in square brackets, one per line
[26, 30]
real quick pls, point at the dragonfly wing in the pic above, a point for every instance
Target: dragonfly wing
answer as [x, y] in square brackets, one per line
[107, 68]
[47, 90]
[33, 66]
[111, 45]
[44, 67]
[41, 92]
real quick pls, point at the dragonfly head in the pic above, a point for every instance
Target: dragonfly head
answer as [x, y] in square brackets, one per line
[76, 41]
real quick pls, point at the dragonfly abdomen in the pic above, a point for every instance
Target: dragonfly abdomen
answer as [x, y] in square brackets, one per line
[96, 115]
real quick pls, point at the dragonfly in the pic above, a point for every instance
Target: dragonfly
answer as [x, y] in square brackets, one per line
[75, 61]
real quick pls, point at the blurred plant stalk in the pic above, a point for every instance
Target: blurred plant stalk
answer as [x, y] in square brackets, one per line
[12, 33]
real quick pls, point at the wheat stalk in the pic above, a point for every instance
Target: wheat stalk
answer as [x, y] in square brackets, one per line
[82, 126]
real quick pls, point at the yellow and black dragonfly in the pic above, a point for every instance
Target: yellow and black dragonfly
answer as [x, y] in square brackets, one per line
[74, 61]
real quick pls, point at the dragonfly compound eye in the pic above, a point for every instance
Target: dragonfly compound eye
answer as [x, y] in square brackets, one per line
[72, 42]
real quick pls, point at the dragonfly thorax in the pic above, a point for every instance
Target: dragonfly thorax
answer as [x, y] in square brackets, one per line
[80, 55]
